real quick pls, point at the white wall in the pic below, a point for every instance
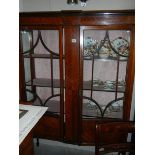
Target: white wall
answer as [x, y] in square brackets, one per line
[57, 5]
[34, 5]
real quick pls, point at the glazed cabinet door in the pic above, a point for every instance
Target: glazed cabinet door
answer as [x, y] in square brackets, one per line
[106, 73]
[42, 74]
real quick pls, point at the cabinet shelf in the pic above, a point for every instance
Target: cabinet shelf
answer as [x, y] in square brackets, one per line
[42, 82]
[87, 86]
[110, 58]
[96, 58]
[44, 56]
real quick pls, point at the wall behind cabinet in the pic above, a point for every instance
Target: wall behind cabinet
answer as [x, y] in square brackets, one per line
[57, 5]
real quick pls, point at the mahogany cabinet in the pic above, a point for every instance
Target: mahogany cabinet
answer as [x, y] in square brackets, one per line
[81, 65]
[26, 147]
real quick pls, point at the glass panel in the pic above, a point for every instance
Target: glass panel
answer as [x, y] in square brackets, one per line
[50, 41]
[48, 69]
[105, 55]
[26, 38]
[42, 67]
[106, 43]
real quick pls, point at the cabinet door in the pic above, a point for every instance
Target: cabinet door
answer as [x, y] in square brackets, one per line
[107, 73]
[42, 63]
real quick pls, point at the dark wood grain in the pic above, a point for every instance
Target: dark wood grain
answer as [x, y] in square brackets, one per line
[48, 127]
[88, 132]
[26, 147]
[72, 81]
[78, 18]
[112, 136]
[130, 77]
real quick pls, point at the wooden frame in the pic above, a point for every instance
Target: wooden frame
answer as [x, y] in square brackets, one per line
[112, 137]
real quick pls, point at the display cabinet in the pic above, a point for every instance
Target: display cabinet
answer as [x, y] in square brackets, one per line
[81, 66]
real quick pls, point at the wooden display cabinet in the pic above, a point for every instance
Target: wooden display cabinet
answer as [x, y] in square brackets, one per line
[26, 147]
[81, 65]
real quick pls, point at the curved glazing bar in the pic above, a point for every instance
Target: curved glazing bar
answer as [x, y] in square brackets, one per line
[102, 42]
[39, 37]
[106, 47]
[35, 97]
[114, 49]
[96, 104]
[56, 95]
[33, 47]
[53, 105]
[110, 104]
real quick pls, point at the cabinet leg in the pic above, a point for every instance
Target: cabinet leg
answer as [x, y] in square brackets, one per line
[37, 143]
